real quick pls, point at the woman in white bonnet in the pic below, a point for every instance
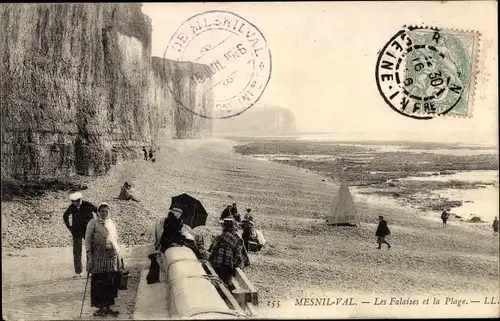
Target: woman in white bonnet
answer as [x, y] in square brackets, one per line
[104, 261]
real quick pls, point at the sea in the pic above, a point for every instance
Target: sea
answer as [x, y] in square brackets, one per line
[482, 202]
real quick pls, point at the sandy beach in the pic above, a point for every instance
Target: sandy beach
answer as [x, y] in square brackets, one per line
[381, 114]
[303, 254]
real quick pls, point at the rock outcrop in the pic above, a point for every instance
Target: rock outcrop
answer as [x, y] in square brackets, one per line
[257, 121]
[79, 90]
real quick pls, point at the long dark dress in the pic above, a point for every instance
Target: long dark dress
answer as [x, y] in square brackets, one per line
[105, 278]
[172, 235]
[104, 289]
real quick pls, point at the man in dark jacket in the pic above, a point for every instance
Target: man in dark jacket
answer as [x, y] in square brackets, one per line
[382, 232]
[80, 212]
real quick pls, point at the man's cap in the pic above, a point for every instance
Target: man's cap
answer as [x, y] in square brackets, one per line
[176, 211]
[75, 196]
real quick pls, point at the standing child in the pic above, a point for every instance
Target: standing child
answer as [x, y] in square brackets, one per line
[445, 215]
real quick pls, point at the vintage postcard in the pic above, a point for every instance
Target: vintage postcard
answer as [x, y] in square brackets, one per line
[328, 160]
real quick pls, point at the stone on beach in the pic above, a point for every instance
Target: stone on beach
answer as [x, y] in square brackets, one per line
[475, 219]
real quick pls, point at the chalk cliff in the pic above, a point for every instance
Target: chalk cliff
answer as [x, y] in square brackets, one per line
[257, 121]
[175, 118]
[79, 89]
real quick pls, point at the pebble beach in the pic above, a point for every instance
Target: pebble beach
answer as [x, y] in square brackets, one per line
[290, 205]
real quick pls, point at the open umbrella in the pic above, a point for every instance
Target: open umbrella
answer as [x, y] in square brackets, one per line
[193, 212]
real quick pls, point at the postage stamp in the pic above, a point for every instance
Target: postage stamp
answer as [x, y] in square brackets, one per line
[236, 55]
[423, 73]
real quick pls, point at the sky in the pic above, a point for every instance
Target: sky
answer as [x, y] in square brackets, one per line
[324, 56]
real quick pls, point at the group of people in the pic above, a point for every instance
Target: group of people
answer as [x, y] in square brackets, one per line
[253, 239]
[93, 225]
[150, 153]
[445, 215]
[225, 254]
[383, 230]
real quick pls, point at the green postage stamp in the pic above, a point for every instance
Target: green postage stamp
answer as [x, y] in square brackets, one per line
[423, 73]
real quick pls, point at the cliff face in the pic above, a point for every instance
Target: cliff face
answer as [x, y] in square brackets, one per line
[257, 121]
[78, 91]
[175, 119]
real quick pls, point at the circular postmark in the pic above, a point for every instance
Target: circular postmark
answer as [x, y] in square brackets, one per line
[219, 64]
[423, 72]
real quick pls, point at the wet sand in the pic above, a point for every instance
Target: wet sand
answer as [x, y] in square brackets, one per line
[303, 255]
[426, 176]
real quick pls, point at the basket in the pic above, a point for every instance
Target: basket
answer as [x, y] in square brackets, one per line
[123, 280]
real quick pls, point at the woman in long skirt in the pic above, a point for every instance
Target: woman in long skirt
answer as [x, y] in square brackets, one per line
[104, 261]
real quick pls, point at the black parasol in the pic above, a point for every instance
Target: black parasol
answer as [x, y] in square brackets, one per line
[193, 212]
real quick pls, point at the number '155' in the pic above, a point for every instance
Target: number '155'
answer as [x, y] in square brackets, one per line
[273, 303]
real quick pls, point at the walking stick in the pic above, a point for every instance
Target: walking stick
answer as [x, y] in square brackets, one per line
[84, 293]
